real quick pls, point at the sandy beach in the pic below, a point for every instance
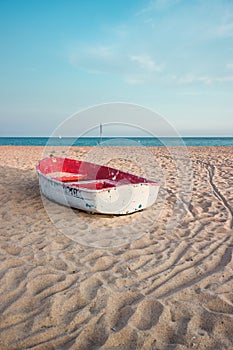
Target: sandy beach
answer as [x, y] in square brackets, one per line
[167, 289]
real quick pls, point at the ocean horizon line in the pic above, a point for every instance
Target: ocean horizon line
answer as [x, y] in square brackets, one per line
[167, 141]
[104, 137]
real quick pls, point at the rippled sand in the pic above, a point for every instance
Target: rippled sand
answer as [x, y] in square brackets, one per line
[172, 288]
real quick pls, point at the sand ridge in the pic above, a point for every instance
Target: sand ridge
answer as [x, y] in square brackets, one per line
[165, 290]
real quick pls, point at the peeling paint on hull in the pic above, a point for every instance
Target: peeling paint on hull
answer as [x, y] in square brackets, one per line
[96, 191]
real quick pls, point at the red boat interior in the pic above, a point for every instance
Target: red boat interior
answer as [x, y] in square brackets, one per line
[72, 170]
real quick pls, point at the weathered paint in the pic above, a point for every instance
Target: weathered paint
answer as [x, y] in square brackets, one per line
[96, 188]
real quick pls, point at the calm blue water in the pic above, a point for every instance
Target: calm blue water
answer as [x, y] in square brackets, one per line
[93, 141]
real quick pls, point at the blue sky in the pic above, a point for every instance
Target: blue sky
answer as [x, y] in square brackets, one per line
[60, 56]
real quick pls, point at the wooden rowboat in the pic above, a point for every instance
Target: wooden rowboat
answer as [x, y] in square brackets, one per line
[94, 188]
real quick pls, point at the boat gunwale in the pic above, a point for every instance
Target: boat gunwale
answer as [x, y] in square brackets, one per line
[83, 189]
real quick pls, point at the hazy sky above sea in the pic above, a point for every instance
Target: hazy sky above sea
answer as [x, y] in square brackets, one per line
[61, 56]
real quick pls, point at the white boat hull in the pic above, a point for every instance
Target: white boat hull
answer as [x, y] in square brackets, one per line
[119, 200]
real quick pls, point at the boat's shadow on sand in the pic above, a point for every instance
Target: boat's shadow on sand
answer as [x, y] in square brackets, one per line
[21, 194]
[20, 186]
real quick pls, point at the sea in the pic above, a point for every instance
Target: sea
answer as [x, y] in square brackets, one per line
[116, 141]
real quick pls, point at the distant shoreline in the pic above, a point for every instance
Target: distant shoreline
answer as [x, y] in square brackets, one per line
[117, 141]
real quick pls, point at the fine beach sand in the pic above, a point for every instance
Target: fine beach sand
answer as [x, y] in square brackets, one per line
[171, 288]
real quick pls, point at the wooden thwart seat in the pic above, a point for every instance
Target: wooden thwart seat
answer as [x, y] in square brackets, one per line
[70, 178]
[95, 184]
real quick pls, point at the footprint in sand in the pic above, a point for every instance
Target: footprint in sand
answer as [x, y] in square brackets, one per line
[147, 314]
[89, 288]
